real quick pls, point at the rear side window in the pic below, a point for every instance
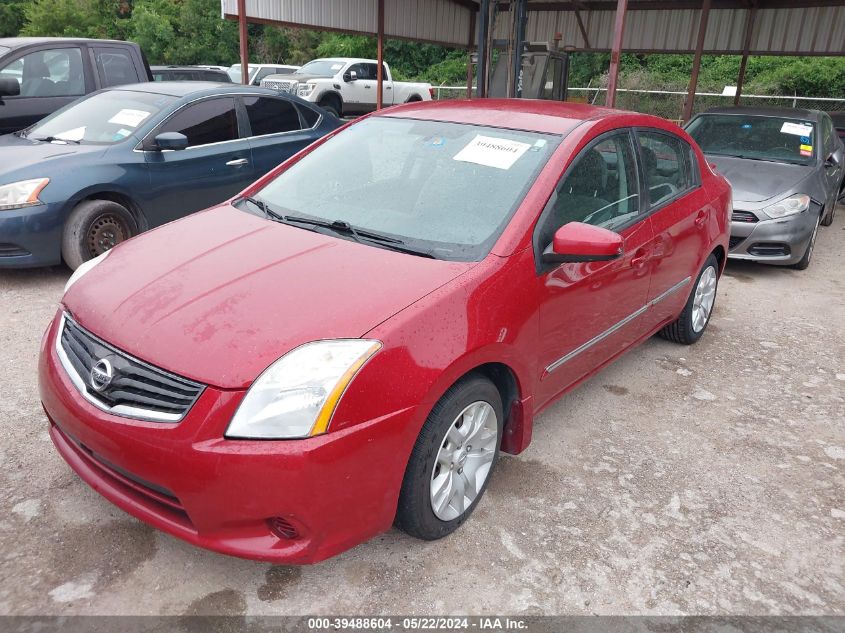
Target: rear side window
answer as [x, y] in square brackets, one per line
[206, 122]
[271, 116]
[115, 68]
[666, 165]
[309, 116]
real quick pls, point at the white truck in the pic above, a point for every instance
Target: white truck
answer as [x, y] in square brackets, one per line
[346, 86]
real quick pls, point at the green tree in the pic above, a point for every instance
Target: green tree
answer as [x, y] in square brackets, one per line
[12, 18]
[75, 18]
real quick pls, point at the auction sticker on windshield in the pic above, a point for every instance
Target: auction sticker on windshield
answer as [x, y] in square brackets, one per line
[797, 129]
[129, 117]
[490, 151]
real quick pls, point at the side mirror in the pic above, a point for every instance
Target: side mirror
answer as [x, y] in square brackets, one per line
[350, 76]
[578, 242]
[171, 140]
[835, 159]
[9, 87]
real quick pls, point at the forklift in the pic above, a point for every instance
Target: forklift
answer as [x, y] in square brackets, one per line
[523, 70]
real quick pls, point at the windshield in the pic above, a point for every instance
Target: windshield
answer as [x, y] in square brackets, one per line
[234, 73]
[321, 68]
[756, 137]
[447, 189]
[104, 118]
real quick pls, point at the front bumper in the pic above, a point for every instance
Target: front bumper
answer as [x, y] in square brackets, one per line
[31, 236]
[781, 242]
[336, 490]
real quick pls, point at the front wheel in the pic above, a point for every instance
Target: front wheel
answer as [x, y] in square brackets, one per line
[452, 460]
[828, 219]
[804, 262]
[94, 227]
[690, 325]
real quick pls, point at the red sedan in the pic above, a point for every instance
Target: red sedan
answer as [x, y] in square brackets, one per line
[350, 342]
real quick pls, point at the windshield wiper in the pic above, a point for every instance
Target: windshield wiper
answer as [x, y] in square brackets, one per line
[265, 209]
[50, 139]
[342, 226]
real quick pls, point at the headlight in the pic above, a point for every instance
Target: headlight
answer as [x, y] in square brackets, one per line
[297, 395]
[306, 89]
[84, 269]
[21, 194]
[788, 206]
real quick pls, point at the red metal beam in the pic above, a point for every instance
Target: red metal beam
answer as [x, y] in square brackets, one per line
[749, 29]
[696, 60]
[616, 52]
[662, 5]
[581, 27]
[380, 56]
[244, 42]
[470, 43]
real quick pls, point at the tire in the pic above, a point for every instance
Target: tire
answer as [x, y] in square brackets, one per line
[465, 402]
[804, 262]
[688, 328]
[94, 227]
[331, 106]
[828, 220]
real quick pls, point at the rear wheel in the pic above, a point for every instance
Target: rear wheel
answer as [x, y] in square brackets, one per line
[94, 227]
[452, 460]
[690, 325]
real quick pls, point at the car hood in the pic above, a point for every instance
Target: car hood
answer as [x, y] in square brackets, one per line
[22, 155]
[758, 180]
[220, 295]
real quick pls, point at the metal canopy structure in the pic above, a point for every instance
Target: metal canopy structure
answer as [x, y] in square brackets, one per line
[697, 27]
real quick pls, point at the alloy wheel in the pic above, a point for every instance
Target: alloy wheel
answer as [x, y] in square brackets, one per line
[705, 296]
[464, 460]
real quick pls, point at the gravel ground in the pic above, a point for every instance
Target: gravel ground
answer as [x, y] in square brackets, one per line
[702, 480]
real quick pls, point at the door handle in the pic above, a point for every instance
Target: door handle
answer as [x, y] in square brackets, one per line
[389, 88]
[700, 218]
[238, 162]
[640, 258]
[367, 87]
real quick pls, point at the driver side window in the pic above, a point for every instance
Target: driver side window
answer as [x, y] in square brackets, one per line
[601, 188]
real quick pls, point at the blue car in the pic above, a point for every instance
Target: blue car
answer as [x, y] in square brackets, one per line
[124, 160]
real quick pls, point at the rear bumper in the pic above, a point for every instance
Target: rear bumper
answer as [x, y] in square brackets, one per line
[31, 236]
[336, 490]
[780, 242]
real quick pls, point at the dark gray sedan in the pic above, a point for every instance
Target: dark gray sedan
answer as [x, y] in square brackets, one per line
[785, 167]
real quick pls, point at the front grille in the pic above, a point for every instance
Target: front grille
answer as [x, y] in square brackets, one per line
[281, 86]
[735, 241]
[744, 216]
[134, 389]
[12, 250]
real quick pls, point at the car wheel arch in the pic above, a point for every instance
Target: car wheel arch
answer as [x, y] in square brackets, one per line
[114, 196]
[518, 419]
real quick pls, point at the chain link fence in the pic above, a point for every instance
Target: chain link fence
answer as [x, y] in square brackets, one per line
[669, 104]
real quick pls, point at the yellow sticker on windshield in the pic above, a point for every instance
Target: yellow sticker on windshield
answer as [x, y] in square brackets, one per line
[807, 148]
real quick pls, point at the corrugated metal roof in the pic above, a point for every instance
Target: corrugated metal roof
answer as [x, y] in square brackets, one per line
[809, 30]
[440, 21]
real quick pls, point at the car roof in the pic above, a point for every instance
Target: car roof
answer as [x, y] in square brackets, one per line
[789, 113]
[17, 42]
[216, 70]
[197, 89]
[533, 115]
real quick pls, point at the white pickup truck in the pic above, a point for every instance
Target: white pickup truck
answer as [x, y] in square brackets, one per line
[346, 86]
